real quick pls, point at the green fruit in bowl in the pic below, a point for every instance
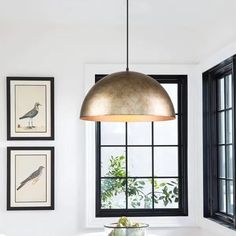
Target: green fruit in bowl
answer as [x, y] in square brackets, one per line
[135, 225]
[123, 222]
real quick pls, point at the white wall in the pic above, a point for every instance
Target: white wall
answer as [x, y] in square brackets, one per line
[63, 52]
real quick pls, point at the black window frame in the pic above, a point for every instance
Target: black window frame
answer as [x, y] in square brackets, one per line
[210, 133]
[181, 80]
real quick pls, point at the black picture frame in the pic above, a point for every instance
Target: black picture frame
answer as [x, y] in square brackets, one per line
[42, 205]
[13, 129]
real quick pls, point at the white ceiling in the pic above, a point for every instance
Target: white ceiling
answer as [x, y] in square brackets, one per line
[188, 29]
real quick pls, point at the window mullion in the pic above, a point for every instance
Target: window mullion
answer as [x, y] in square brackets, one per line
[225, 141]
[126, 163]
[98, 166]
[234, 136]
[213, 106]
[153, 186]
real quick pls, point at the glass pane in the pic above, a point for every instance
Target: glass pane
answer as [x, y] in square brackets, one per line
[172, 90]
[139, 161]
[113, 193]
[222, 196]
[166, 132]
[229, 154]
[113, 161]
[228, 91]
[165, 161]
[230, 198]
[112, 133]
[139, 193]
[221, 161]
[140, 133]
[221, 97]
[221, 127]
[229, 129]
[166, 193]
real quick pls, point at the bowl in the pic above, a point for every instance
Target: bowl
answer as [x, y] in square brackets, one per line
[114, 230]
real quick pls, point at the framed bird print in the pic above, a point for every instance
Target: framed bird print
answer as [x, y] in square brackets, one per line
[30, 178]
[30, 108]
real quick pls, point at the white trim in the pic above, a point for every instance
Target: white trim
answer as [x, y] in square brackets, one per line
[189, 221]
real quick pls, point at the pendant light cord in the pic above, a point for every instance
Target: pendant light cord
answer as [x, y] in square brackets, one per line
[127, 35]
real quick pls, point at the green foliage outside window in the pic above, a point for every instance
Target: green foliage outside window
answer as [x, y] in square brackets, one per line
[164, 192]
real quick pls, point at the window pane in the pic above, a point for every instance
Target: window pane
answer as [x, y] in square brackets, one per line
[165, 161]
[229, 126]
[229, 162]
[139, 161]
[113, 161]
[113, 193]
[166, 132]
[139, 193]
[172, 90]
[112, 133]
[230, 198]
[140, 133]
[221, 161]
[228, 91]
[221, 127]
[166, 193]
[222, 196]
[221, 98]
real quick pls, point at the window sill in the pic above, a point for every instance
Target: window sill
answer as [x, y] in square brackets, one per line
[222, 223]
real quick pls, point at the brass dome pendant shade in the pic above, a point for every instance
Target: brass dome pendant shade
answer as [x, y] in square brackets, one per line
[127, 96]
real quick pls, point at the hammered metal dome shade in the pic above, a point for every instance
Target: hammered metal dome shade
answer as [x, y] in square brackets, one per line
[127, 96]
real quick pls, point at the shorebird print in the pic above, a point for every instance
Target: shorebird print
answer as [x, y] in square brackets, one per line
[34, 177]
[31, 114]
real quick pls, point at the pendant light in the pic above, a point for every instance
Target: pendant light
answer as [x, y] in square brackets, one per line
[127, 96]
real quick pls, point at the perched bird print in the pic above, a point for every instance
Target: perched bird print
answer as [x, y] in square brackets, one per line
[33, 177]
[31, 114]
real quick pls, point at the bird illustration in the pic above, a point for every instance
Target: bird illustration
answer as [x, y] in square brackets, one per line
[31, 114]
[33, 177]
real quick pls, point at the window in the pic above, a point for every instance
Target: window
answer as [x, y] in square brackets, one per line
[219, 142]
[142, 167]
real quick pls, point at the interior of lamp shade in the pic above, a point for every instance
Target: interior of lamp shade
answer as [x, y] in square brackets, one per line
[127, 118]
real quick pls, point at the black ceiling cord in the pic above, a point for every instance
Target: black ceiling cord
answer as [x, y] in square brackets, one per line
[127, 35]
